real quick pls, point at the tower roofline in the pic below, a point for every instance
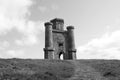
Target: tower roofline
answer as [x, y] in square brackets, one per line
[48, 23]
[57, 20]
[70, 27]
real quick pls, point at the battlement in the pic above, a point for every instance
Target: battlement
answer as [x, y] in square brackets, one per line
[58, 24]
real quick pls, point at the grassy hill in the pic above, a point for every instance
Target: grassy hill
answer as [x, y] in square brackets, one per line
[28, 69]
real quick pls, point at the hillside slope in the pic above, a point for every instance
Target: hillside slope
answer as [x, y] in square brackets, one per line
[28, 69]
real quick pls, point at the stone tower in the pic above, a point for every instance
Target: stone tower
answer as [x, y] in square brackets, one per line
[59, 41]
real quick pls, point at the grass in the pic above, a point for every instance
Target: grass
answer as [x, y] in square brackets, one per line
[28, 69]
[20, 69]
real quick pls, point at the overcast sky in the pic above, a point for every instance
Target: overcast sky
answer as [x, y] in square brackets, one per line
[97, 27]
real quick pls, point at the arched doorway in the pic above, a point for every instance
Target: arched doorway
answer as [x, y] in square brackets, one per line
[61, 55]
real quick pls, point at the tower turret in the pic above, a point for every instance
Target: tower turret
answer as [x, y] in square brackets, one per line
[71, 41]
[49, 51]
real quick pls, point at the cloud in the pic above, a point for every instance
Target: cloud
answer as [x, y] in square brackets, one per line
[4, 44]
[30, 33]
[54, 7]
[12, 13]
[105, 47]
[15, 53]
[42, 8]
[15, 14]
[29, 40]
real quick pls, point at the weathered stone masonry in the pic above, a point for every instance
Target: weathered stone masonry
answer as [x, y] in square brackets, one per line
[59, 41]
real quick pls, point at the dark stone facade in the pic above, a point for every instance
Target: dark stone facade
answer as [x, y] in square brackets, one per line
[59, 41]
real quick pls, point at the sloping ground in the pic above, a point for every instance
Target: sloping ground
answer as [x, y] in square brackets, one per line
[106, 69]
[28, 69]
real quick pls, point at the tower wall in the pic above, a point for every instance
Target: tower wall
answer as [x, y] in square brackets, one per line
[59, 41]
[49, 51]
[71, 42]
[59, 44]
